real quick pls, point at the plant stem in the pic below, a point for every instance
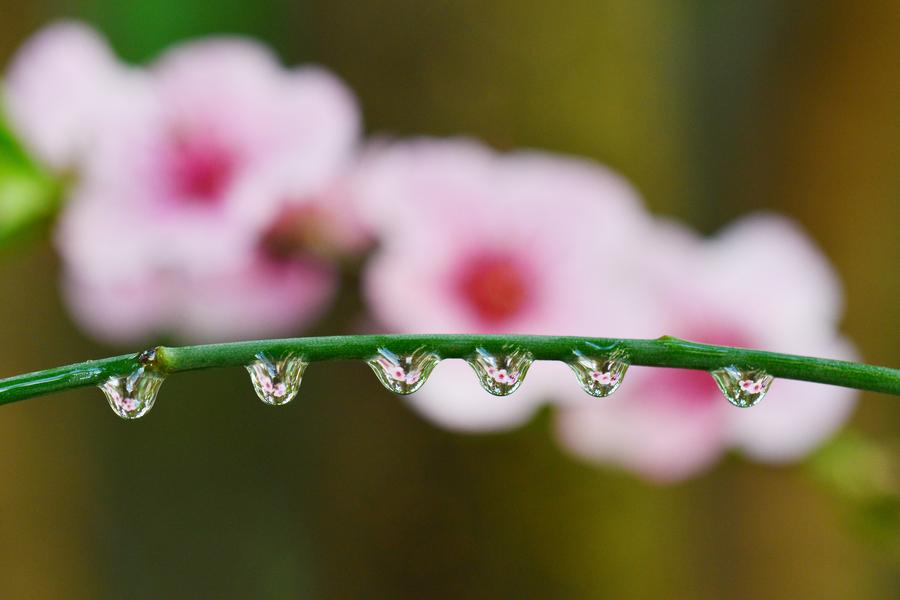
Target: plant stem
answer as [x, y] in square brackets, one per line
[662, 352]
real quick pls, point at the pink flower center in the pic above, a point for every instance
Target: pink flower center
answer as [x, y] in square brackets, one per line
[503, 376]
[494, 286]
[199, 167]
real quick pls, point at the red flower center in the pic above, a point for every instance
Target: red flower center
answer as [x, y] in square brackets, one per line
[495, 286]
[200, 168]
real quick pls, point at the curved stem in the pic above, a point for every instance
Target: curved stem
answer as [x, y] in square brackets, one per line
[662, 352]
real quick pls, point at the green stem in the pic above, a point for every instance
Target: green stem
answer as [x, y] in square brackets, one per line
[663, 352]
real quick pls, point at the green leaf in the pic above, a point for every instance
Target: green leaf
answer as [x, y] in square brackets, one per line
[28, 194]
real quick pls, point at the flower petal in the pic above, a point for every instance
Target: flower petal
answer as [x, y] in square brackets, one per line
[59, 83]
[658, 440]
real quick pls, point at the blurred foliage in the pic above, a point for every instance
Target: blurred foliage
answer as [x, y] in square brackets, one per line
[28, 195]
[867, 475]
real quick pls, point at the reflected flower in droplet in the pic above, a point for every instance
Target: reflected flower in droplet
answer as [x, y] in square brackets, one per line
[751, 386]
[403, 373]
[604, 378]
[501, 373]
[599, 373]
[132, 396]
[743, 387]
[276, 381]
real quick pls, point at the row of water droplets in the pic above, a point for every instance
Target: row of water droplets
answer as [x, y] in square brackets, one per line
[277, 380]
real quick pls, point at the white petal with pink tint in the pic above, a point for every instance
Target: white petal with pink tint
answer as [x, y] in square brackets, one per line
[93, 222]
[661, 444]
[765, 264]
[395, 180]
[119, 313]
[254, 301]
[325, 113]
[59, 84]
[213, 79]
[323, 119]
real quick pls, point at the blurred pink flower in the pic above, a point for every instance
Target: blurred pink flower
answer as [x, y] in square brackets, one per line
[668, 424]
[475, 241]
[212, 207]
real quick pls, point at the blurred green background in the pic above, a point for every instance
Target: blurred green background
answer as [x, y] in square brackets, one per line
[712, 108]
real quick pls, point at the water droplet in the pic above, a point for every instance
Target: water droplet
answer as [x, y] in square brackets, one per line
[132, 396]
[403, 374]
[501, 374]
[601, 374]
[276, 381]
[743, 387]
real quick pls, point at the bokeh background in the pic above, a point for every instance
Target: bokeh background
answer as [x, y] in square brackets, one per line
[713, 109]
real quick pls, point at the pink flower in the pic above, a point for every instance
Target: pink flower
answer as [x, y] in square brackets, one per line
[604, 378]
[115, 395]
[126, 403]
[276, 389]
[502, 376]
[398, 372]
[668, 424]
[475, 241]
[215, 209]
[754, 387]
